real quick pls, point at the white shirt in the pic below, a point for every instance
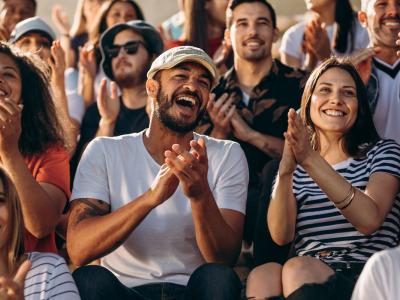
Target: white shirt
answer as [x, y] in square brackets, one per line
[379, 279]
[163, 247]
[293, 39]
[387, 100]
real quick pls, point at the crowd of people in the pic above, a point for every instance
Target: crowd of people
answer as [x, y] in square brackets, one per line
[139, 162]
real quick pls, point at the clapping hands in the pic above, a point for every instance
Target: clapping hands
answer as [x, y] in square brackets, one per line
[297, 149]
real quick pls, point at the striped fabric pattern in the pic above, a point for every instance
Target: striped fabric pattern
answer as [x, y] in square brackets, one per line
[321, 228]
[49, 278]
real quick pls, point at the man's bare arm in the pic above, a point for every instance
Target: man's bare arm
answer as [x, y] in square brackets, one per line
[94, 231]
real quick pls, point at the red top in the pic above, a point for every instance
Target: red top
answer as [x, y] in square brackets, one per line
[50, 167]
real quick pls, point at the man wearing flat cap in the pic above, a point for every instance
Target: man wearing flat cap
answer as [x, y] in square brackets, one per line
[163, 208]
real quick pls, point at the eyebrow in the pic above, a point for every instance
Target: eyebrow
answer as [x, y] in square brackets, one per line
[258, 19]
[330, 84]
[206, 74]
[11, 68]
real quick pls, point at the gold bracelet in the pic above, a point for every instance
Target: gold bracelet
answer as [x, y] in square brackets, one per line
[345, 198]
[350, 199]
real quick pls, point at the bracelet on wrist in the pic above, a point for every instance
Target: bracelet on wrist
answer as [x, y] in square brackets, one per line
[349, 200]
[348, 195]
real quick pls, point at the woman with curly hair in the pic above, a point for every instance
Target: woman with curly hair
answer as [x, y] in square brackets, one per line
[32, 148]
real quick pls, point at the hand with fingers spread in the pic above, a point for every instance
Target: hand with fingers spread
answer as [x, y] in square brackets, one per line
[362, 60]
[108, 103]
[221, 111]
[298, 138]
[241, 130]
[60, 20]
[87, 61]
[57, 64]
[316, 40]
[190, 167]
[164, 185]
[5, 25]
[13, 289]
[10, 126]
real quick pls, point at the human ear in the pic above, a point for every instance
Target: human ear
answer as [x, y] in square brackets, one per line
[152, 87]
[276, 35]
[227, 37]
[362, 17]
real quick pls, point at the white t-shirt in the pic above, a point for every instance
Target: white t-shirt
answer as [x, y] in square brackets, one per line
[379, 279]
[49, 278]
[163, 247]
[293, 39]
[76, 107]
[386, 105]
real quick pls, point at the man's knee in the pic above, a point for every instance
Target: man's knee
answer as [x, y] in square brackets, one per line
[94, 282]
[216, 280]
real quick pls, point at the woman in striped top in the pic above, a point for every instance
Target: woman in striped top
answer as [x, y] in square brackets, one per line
[31, 276]
[336, 195]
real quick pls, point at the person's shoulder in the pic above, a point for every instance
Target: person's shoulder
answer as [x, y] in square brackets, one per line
[288, 71]
[385, 258]
[120, 140]
[296, 30]
[384, 145]
[386, 150]
[45, 259]
[219, 146]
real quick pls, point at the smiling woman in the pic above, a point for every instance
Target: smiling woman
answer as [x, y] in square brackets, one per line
[343, 193]
[31, 145]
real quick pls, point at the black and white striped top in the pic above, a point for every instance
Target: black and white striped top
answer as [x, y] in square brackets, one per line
[322, 229]
[49, 278]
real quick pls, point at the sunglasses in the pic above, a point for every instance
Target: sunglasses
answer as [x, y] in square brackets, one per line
[130, 48]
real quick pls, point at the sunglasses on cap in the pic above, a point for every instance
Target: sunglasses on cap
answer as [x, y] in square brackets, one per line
[130, 48]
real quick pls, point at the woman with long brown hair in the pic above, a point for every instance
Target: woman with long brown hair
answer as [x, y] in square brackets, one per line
[336, 194]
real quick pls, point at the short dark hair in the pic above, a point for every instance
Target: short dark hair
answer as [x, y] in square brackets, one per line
[39, 123]
[362, 136]
[235, 3]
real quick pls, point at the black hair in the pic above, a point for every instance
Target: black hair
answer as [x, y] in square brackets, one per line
[345, 20]
[234, 3]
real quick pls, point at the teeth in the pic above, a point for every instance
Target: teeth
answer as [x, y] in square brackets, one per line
[334, 113]
[191, 100]
[392, 23]
[253, 44]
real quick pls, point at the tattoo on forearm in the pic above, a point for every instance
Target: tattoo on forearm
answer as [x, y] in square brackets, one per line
[88, 208]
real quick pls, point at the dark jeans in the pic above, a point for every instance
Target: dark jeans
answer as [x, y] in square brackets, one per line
[338, 287]
[209, 281]
[265, 249]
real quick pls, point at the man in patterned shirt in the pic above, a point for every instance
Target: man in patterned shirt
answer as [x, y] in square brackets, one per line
[252, 99]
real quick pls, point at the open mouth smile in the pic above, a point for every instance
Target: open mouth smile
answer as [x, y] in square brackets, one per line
[334, 113]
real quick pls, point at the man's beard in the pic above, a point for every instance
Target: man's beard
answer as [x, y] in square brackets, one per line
[129, 79]
[171, 122]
